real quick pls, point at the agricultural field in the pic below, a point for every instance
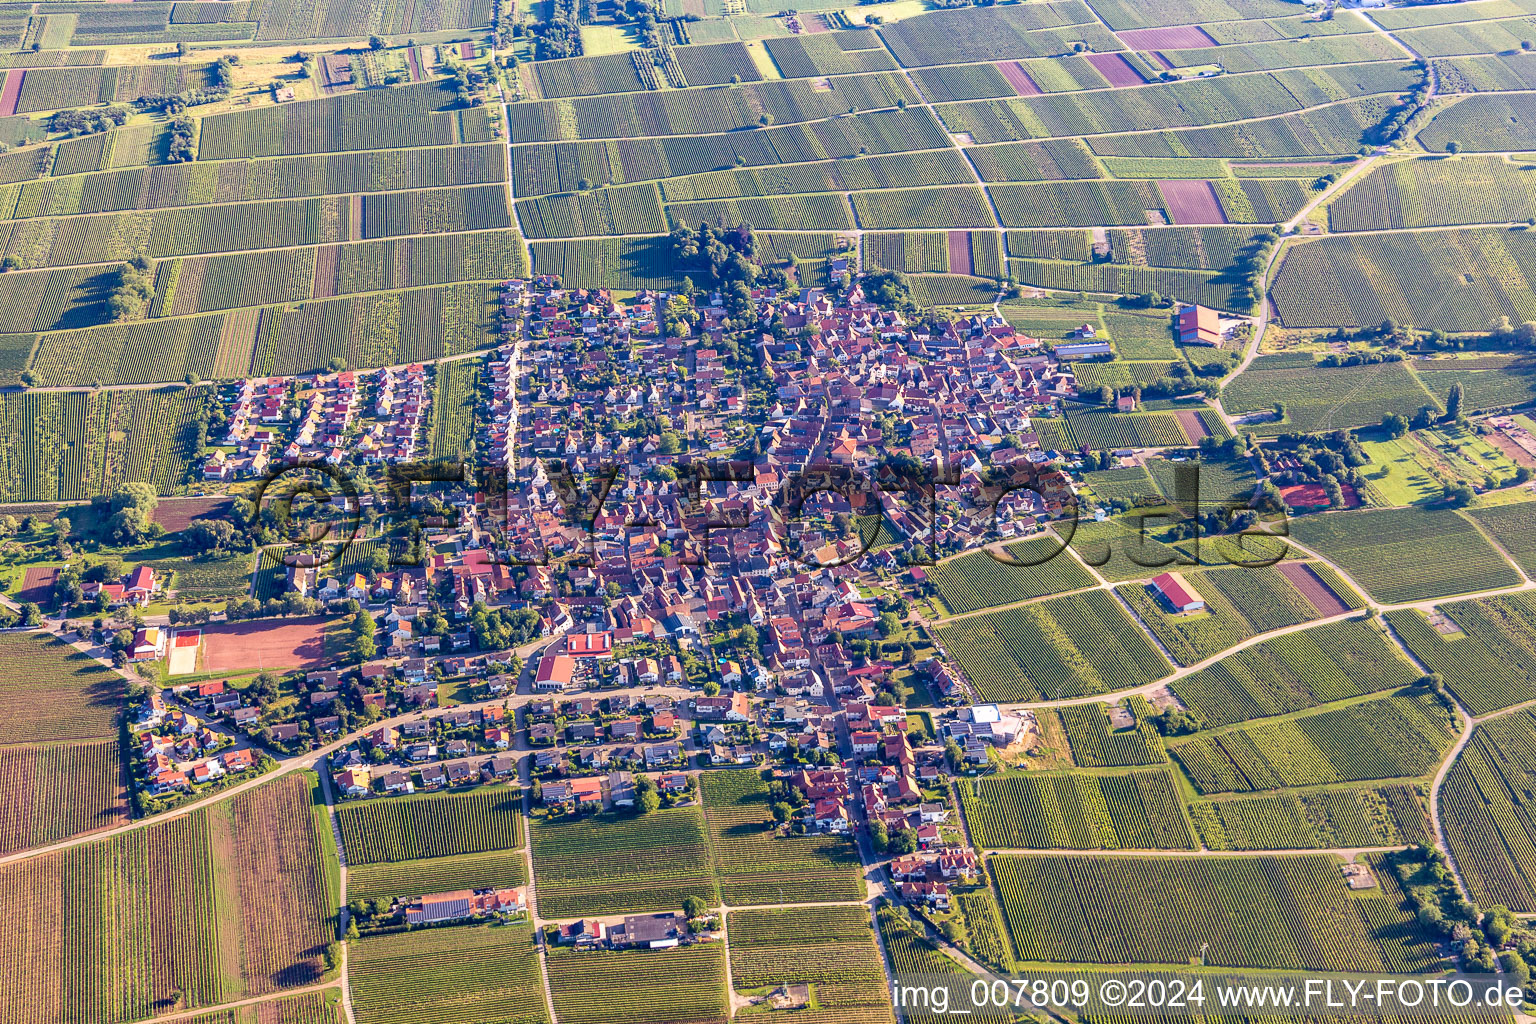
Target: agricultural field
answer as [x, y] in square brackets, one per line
[1488, 382]
[71, 445]
[455, 400]
[1239, 603]
[1123, 549]
[911, 953]
[485, 973]
[1096, 745]
[1275, 912]
[1131, 484]
[621, 863]
[1137, 810]
[1487, 123]
[211, 907]
[1063, 647]
[1407, 554]
[390, 880]
[58, 790]
[1513, 528]
[753, 865]
[1329, 662]
[51, 692]
[392, 829]
[1098, 427]
[639, 986]
[1458, 280]
[1482, 809]
[1396, 736]
[1317, 819]
[832, 950]
[1315, 399]
[1418, 193]
[1484, 649]
[1022, 570]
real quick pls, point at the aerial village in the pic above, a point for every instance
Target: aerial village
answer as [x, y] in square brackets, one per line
[605, 648]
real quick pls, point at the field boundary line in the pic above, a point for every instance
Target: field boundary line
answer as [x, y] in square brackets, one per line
[252, 1001]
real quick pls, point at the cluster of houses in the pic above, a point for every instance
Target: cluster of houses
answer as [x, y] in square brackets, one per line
[137, 588]
[178, 752]
[377, 417]
[456, 747]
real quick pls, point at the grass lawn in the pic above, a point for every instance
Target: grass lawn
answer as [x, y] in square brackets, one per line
[920, 725]
[762, 61]
[455, 691]
[600, 39]
[1396, 472]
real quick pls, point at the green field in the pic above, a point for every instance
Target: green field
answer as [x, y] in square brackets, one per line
[978, 580]
[1125, 811]
[1321, 819]
[1430, 193]
[616, 863]
[488, 974]
[1489, 382]
[1513, 528]
[1396, 736]
[832, 950]
[1316, 399]
[1300, 670]
[1407, 554]
[431, 825]
[1239, 603]
[639, 986]
[1460, 280]
[1064, 647]
[754, 866]
[1288, 912]
[1486, 653]
[1482, 806]
[391, 880]
[1096, 745]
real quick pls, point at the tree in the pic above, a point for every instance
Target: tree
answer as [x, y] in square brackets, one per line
[903, 841]
[952, 931]
[1424, 418]
[879, 835]
[376, 43]
[889, 623]
[1394, 425]
[1453, 147]
[210, 535]
[1453, 402]
[695, 907]
[1460, 495]
[648, 802]
[31, 615]
[711, 689]
[781, 812]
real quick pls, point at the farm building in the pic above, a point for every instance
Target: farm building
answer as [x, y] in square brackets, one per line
[1084, 350]
[1199, 326]
[1177, 593]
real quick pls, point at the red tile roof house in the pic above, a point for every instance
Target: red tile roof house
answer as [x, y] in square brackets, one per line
[141, 585]
[1177, 593]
